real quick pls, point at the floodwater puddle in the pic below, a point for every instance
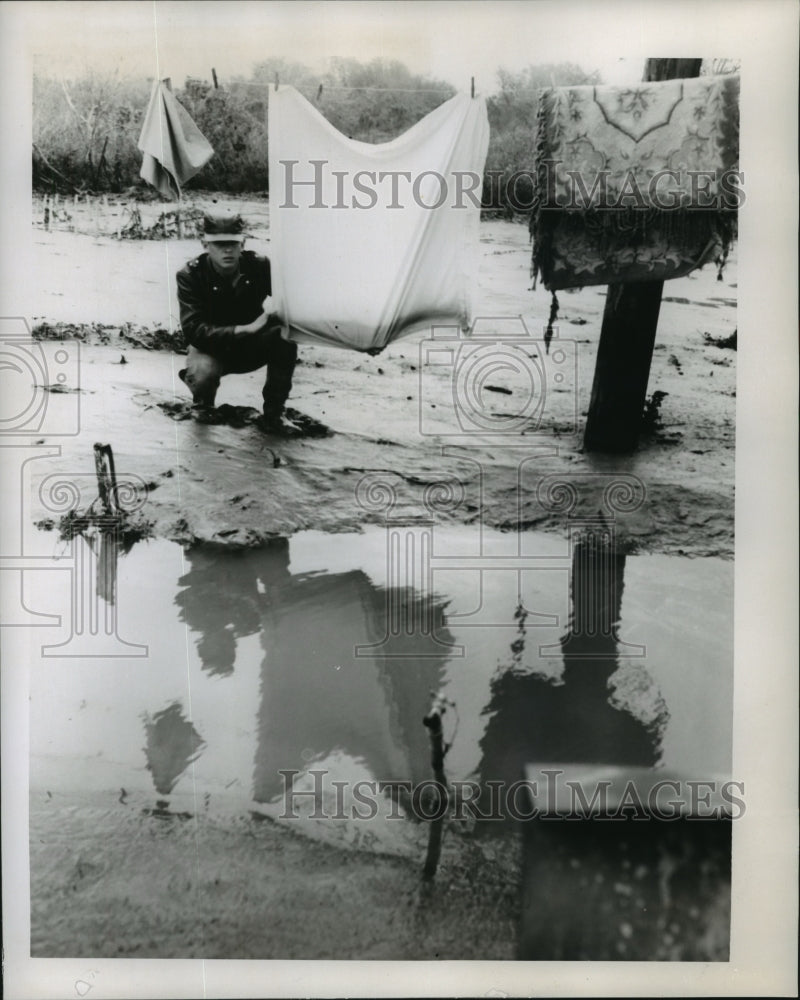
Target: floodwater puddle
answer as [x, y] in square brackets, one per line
[292, 680]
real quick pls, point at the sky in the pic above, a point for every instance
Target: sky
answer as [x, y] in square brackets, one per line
[453, 41]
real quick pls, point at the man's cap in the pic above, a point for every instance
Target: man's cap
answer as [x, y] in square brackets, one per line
[221, 227]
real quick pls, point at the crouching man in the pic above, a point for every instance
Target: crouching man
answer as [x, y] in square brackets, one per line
[227, 322]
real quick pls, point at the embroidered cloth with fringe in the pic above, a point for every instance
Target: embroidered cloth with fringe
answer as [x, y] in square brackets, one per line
[635, 183]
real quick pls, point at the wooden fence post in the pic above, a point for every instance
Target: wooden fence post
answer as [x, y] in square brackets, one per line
[628, 335]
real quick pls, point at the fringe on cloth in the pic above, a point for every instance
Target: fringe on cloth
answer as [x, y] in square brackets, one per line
[548, 333]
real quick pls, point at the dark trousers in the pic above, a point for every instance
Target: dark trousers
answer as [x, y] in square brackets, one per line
[245, 353]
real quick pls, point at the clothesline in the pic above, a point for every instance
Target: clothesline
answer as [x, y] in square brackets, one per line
[326, 87]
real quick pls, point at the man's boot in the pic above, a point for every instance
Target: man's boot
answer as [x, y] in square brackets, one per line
[273, 422]
[275, 393]
[204, 397]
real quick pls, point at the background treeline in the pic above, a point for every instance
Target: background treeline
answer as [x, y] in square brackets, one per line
[85, 131]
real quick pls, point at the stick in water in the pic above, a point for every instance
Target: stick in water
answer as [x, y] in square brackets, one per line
[433, 723]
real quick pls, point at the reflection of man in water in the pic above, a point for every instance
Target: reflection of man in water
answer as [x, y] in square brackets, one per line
[221, 599]
[317, 697]
[535, 720]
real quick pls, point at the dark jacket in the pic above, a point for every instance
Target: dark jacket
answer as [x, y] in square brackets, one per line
[212, 305]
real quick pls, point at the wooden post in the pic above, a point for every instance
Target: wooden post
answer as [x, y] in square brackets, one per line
[106, 477]
[628, 335]
[214, 78]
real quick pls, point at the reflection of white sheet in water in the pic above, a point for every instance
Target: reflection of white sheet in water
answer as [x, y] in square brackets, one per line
[318, 697]
[86, 714]
[357, 815]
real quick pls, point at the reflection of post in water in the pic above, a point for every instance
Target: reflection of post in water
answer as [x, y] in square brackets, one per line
[596, 585]
[598, 571]
[98, 536]
[108, 524]
[107, 557]
[172, 744]
[533, 718]
[622, 883]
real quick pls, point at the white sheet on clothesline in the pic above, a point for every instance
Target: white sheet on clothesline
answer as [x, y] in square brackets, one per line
[361, 277]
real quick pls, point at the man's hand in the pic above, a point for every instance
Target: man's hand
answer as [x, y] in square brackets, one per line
[258, 324]
[269, 313]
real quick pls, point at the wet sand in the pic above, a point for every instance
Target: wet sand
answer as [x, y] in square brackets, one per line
[108, 880]
[392, 414]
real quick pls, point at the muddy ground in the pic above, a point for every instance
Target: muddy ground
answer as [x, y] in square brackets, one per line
[112, 882]
[391, 415]
[95, 890]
